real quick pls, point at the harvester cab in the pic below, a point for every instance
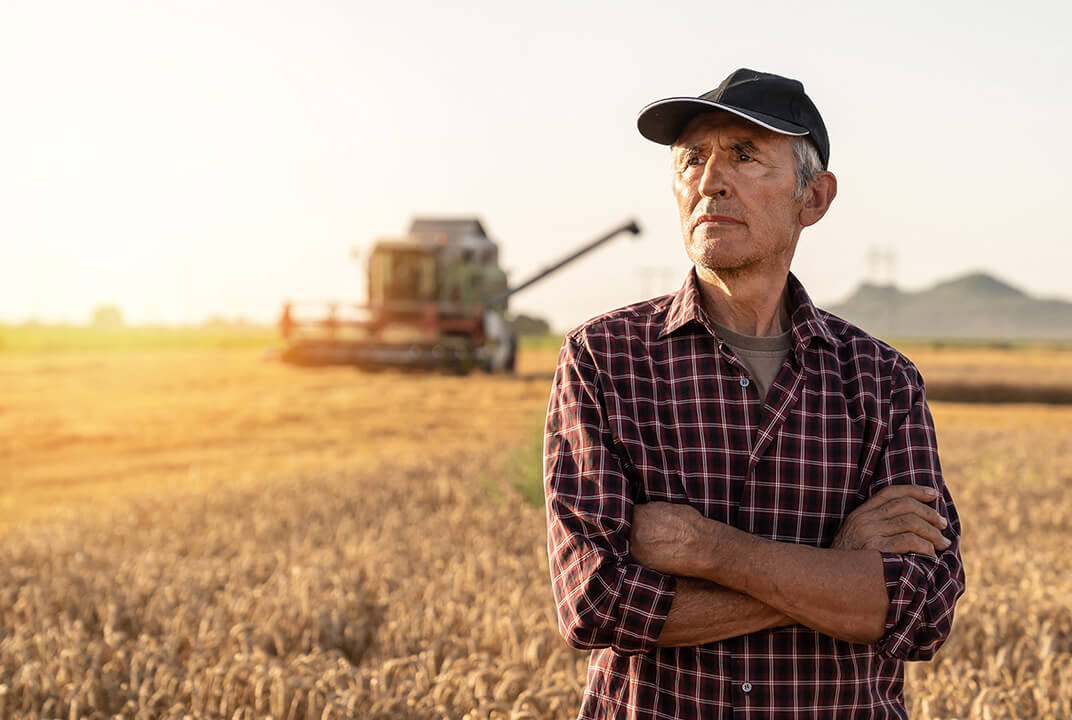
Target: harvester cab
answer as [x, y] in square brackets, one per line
[449, 262]
[437, 298]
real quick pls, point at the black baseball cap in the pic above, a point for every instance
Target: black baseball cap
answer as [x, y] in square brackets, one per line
[771, 101]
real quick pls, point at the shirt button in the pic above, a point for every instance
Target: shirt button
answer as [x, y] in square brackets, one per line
[744, 381]
[747, 687]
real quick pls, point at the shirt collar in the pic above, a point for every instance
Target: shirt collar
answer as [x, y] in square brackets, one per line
[807, 323]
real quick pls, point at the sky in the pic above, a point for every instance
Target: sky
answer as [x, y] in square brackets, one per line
[188, 159]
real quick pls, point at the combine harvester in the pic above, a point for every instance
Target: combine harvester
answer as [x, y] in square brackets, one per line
[437, 300]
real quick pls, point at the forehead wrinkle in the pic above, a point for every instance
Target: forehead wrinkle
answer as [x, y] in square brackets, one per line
[725, 138]
[691, 148]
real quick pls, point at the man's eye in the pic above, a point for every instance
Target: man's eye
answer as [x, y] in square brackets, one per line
[744, 157]
[694, 160]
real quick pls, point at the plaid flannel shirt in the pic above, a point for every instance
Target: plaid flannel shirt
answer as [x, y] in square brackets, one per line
[649, 405]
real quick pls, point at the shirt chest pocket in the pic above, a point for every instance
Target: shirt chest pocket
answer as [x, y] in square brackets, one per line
[803, 487]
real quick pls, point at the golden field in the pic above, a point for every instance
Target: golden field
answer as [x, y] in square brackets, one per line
[206, 532]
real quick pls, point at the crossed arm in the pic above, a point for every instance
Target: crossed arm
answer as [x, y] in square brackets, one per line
[634, 576]
[731, 583]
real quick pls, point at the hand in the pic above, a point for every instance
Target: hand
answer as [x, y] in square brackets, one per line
[895, 520]
[668, 537]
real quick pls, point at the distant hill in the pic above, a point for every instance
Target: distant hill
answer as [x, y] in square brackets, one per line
[976, 306]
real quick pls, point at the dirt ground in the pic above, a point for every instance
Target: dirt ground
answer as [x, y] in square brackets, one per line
[79, 428]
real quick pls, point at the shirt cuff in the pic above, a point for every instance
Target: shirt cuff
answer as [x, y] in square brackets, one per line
[642, 608]
[901, 616]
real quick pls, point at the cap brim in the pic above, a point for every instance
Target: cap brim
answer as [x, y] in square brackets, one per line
[663, 120]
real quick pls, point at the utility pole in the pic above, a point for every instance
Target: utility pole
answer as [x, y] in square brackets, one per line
[882, 271]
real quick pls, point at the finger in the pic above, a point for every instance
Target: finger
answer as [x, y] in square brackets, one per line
[922, 493]
[906, 543]
[917, 525]
[911, 506]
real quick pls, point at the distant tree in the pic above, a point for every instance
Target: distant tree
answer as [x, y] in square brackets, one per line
[528, 325]
[220, 322]
[107, 316]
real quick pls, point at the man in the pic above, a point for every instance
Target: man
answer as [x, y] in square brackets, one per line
[746, 511]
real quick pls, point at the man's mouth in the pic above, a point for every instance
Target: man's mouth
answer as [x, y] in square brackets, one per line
[716, 220]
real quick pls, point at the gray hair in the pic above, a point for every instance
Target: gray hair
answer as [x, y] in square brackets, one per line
[807, 161]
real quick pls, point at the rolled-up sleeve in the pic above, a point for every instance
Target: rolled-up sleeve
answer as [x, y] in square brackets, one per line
[603, 599]
[922, 590]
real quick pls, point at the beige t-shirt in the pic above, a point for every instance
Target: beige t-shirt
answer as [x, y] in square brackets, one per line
[763, 356]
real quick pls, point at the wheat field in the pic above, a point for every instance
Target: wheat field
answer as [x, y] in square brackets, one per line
[207, 533]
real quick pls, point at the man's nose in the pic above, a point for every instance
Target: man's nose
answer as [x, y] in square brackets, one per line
[714, 182]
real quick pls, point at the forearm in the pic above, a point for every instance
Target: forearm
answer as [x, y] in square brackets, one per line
[702, 612]
[841, 593]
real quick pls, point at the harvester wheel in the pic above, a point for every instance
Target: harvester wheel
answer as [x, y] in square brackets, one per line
[499, 354]
[511, 359]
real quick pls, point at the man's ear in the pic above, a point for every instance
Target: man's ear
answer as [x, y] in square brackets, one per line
[817, 198]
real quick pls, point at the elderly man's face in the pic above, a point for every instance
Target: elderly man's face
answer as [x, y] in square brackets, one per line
[735, 185]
